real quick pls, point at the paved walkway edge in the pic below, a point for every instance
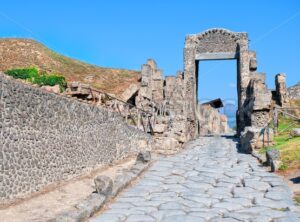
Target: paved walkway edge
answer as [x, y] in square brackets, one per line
[95, 201]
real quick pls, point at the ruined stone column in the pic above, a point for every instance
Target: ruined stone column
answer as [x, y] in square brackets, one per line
[190, 85]
[281, 90]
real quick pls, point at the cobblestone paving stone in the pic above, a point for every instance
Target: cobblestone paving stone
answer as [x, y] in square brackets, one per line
[209, 181]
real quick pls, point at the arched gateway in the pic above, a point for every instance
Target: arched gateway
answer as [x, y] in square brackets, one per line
[216, 44]
[175, 97]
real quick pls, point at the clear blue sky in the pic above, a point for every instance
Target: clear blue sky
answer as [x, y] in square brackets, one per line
[125, 33]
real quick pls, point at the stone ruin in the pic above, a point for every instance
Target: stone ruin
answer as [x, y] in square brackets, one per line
[281, 94]
[180, 117]
[177, 116]
[216, 44]
[211, 121]
[294, 92]
[170, 105]
[165, 98]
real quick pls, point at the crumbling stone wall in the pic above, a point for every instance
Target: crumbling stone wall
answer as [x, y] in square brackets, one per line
[258, 103]
[211, 121]
[164, 99]
[47, 138]
[294, 92]
[152, 84]
[282, 95]
[254, 98]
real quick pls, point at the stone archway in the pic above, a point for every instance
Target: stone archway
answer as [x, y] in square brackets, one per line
[173, 100]
[211, 45]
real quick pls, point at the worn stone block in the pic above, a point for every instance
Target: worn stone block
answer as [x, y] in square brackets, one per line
[295, 132]
[157, 75]
[255, 138]
[103, 185]
[253, 64]
[54, 89]
[281, 90]
[146, 75]
[273, 159]
[145, 92]
[144, 157]
[129, 92]
[259, 77]
[160, 128]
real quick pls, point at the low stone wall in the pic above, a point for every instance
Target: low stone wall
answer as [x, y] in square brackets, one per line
[46, 138]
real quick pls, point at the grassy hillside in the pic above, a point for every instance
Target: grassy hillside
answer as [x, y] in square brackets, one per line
[20, 53]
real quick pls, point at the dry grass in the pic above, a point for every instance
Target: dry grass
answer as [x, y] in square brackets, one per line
[297, 198]
[20, 53]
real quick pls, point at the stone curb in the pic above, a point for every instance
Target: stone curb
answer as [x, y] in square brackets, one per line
[266, 162]
[259, 157]
[95, 201]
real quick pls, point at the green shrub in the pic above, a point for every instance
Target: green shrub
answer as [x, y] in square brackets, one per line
[50, 80]
[42, 79]
[283, 167]
[26, 73]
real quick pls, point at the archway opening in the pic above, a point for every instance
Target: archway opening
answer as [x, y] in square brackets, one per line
[217, 94]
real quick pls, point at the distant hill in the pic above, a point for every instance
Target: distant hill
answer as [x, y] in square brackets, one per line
[294, 91]
[20, 53]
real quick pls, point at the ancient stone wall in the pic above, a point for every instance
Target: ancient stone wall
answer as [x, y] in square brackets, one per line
[47, 138]
[282, 95]
[257, 104]
[211, 121]
[294, 91]
[180, 100]
[211, 45]
[254, 98]
[164, 99]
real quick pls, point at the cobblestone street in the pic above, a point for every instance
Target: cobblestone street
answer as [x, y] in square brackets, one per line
[209, 181]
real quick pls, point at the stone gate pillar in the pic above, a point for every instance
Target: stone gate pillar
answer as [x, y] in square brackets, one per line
[190, 89]
[243, 82]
